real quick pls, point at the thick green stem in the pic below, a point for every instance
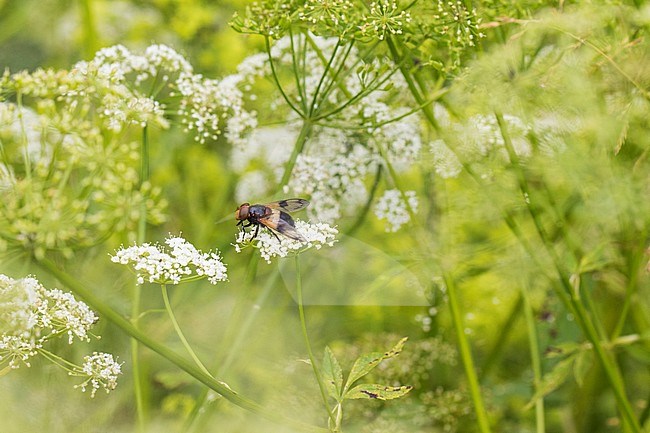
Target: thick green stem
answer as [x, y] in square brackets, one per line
[298, 147]
[466, 356]
[114, 317]
[141, 235]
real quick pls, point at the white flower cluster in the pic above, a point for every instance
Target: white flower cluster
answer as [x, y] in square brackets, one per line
[206, 106]
[316, 236]
[392, 208]
[61, 311]
[30, 315]
[336, 162]
[332, 173]
[100, 370]
[153, 264]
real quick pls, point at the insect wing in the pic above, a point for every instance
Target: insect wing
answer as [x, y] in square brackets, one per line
[282, 223]
[289, 204]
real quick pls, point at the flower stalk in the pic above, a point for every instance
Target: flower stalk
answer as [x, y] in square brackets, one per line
[466, 355]
[179, 331]
[138, 379]
[333, 420]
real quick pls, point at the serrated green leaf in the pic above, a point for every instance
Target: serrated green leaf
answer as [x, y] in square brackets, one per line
[552, 380]
[365, 363]
[332, 374]
[379, 392]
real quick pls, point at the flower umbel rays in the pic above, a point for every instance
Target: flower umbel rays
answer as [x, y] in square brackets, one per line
[154, 264]
[316, 234]
[385, 18]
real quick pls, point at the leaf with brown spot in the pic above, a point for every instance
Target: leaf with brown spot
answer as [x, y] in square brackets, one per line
[376, 391]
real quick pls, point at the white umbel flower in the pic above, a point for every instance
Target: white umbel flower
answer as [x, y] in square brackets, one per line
[316, 236]
[153, 264]
[101, 371]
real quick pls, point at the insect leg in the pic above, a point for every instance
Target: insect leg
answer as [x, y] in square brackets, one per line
[275, 234]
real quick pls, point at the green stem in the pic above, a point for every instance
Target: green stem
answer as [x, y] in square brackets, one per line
[57, 360]
[328, 66]
[302, 91]
[464, 347]
[573, 293]
[89, 29]
[276, 80]
[298, 147]
[221, 367]
[466, 356]
[322, 58]
[312, 360]
[339, 75]
[138, 377]
[179, 332]
[500, 345]
[395, 178]
[426, 110]
[533, 343]
[113, 316]
[634, 267]
[363, 213]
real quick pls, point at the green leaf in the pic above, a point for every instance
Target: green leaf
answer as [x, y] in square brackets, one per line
[565, 349]
[332, 374]
[365, 363]
[583, 362]
[552, 380]
[379, 392]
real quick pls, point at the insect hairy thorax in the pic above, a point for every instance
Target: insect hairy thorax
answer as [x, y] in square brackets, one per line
[258, 211]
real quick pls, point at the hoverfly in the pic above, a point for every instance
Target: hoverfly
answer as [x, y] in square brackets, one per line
[273, 216]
